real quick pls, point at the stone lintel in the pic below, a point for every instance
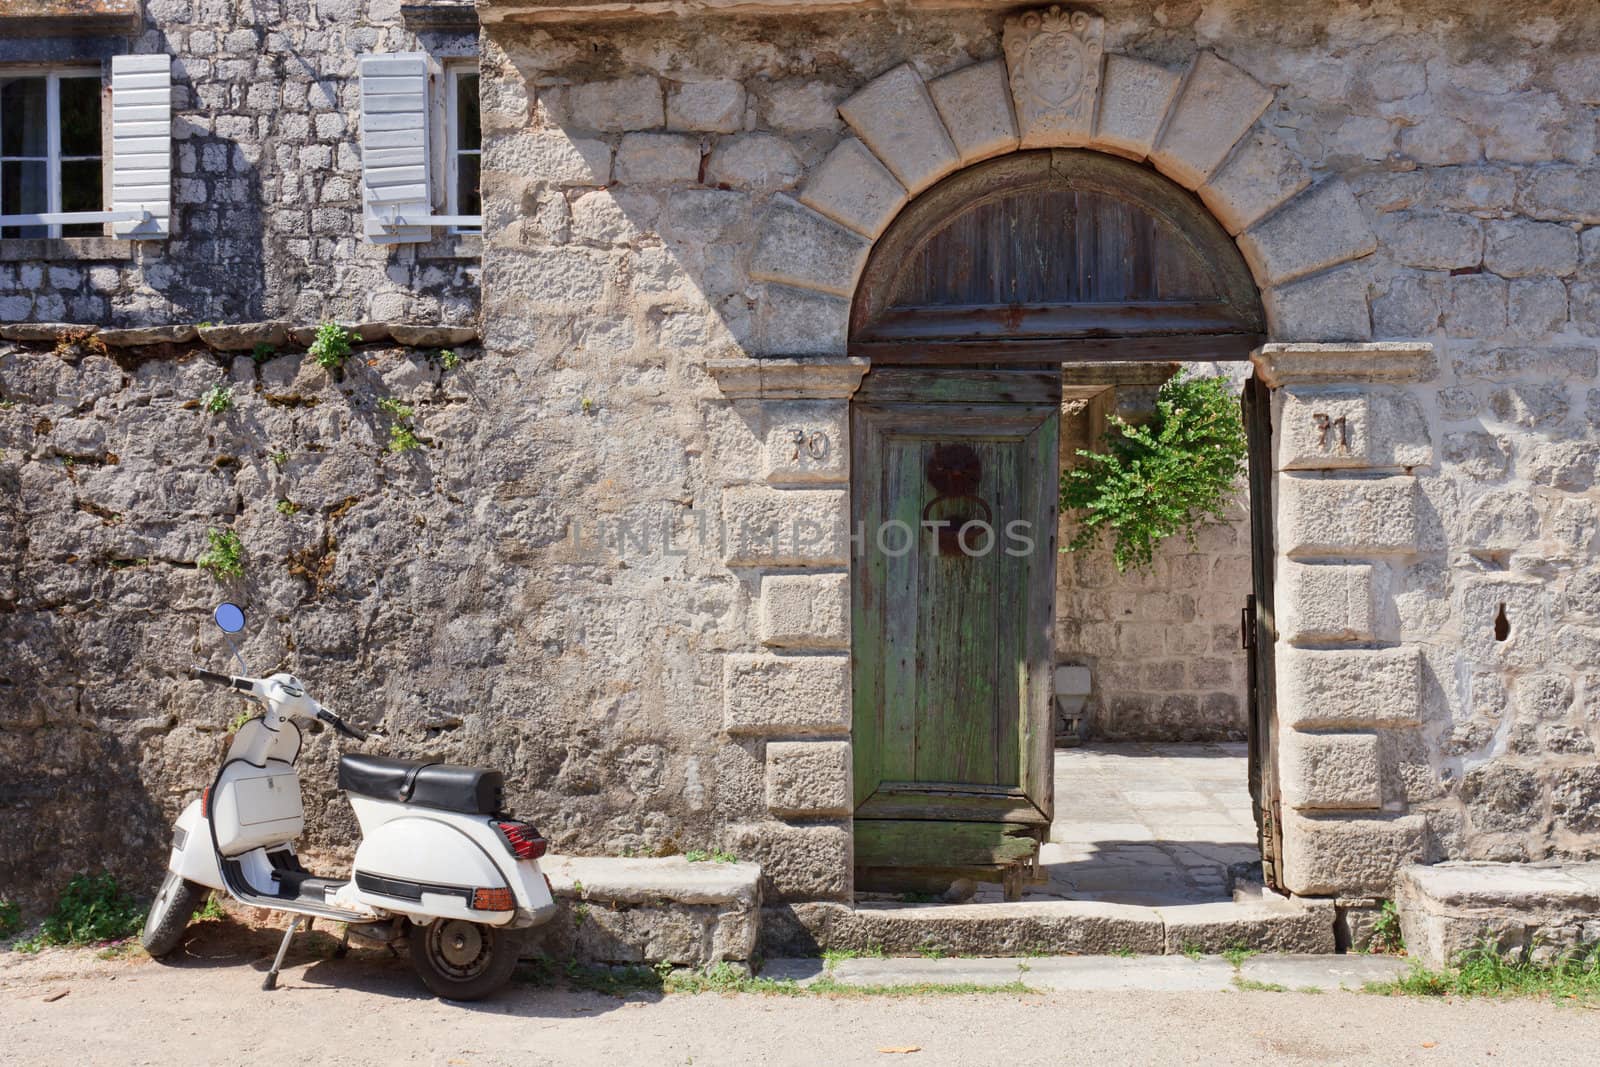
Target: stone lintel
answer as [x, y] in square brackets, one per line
[1370, 361]
[822, 378]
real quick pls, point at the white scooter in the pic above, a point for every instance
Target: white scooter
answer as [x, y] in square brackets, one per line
[439, 860]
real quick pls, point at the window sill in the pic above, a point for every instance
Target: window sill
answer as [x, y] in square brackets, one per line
[452, 246]
[17, 249]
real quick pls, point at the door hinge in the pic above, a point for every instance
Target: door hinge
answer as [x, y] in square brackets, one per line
[1247, 623]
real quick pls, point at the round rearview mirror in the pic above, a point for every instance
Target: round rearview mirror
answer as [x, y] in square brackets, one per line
[230, 618]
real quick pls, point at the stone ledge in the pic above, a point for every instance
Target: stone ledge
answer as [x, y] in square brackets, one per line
[1372, 361]
[821, 378]
[620, 880]
[244, 336]
[1525, 910]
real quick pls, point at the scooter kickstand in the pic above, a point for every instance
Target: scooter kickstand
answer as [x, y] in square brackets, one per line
[271, 981]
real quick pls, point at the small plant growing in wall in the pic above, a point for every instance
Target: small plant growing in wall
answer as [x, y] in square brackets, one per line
[402, 436]
[224, 555]
[449, 360]
[262, 352]
[217, 399]
[331, 346]
[1175, 474]
[288, 507]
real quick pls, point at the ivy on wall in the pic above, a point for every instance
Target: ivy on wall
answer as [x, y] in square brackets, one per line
[1175, 474]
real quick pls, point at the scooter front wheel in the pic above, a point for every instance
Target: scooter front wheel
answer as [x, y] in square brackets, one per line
[461, 960]
[170, 912]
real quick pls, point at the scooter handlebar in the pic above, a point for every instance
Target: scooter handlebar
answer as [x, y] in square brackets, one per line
[339, 725]
[244, 685]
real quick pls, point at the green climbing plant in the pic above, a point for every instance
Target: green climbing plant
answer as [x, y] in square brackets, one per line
[1175, 474]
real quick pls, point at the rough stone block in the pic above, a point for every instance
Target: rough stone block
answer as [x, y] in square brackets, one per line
[807, 779]
[807, 441]
[1334, 516]
[713, 107]
[1334, 306]
[799, 322]
[1320, 228]
[792, 695]
[1325, 602]
[549, 156]
[799, 247]
[759, 161]
[812, 862]
[785, 527]
[1261, 175]
[1332, 855]
[1449, 908]
[1329, 770]
[1216, 106]
[853, 188]
[1320, 688]
[1330, 428]
[806, 611]
[1054, 59]
[975, 103]
[658, 158]
[624, 104]
[895, 117]
[1134, 99]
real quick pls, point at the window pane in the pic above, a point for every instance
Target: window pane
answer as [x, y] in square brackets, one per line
[469, 135]
[80, 116]
[22, 192]
[467, 198]
[23, 117]
[81, 189]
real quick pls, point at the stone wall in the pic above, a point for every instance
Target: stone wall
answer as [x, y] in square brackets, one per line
[615, 574]
[266, 180]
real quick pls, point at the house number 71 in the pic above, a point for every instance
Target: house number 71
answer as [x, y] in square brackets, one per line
[1325, 426]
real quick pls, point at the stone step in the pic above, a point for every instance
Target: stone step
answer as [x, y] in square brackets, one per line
[651, 910]
[1525, 910]
[1324, 973]
[1052, 927]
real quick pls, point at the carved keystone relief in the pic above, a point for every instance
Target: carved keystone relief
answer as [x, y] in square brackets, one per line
[1055, 59]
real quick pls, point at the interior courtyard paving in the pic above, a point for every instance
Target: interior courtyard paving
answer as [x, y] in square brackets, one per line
[1149, 824]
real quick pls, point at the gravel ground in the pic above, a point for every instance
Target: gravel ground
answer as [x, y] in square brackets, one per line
[208, 1007]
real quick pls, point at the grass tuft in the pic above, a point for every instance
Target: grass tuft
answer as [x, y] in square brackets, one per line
[1484, 972]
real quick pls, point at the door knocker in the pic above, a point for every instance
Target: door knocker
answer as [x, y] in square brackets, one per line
[955, 471]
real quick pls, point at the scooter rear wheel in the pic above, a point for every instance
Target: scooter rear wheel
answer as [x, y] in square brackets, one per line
[461, 960]
[169, 915]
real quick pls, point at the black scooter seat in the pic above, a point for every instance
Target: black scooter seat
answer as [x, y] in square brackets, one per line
[424, 783]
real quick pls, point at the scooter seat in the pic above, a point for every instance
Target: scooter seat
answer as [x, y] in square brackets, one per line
[424, 783]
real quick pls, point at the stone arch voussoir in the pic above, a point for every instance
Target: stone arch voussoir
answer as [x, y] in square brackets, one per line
[1200, 128]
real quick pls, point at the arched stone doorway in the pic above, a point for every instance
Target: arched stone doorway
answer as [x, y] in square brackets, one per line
[974, 302]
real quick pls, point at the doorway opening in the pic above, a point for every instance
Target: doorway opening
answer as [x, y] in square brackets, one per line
[1029, 723]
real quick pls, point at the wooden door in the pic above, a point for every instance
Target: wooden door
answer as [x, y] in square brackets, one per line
[953, 578]
[1259, 631]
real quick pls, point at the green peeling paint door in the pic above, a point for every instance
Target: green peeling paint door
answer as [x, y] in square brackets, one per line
[953, 581]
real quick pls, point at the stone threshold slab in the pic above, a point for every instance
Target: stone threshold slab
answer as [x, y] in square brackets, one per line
[1087, 974]
[1082, 927]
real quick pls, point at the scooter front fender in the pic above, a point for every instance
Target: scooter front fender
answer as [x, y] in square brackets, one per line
[193, 855]
[424, 867]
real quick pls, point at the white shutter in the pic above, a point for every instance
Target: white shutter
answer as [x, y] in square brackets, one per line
[394, 144]
[141, 144]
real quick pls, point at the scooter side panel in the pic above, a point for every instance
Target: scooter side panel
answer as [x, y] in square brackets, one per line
[422, 866]
[192, 855]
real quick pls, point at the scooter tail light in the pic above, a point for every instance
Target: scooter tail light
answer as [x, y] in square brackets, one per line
[501, 899]
[522, 839]
[205, 803]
